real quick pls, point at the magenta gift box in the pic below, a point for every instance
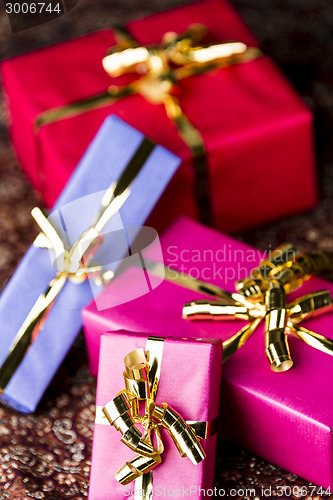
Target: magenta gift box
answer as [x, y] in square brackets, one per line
[190, 387]
[287, 418]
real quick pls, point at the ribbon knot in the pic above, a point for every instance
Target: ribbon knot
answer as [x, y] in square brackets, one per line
[141, 379]
[159, 68]
[263, 297]
[157, 71]
[73, 263]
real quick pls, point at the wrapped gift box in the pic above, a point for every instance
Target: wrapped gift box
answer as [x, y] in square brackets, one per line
[285, 417]
[113, 149]
[253, 124]
[189, 387]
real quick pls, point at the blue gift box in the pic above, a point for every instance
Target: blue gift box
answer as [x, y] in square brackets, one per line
[114, 147]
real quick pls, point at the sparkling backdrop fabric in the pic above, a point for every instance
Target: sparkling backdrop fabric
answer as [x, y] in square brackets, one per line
[47, 455]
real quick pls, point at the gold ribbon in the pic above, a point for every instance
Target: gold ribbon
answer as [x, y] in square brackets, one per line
[263, 297]
[159, 69]
[73, 263]
[142, 375]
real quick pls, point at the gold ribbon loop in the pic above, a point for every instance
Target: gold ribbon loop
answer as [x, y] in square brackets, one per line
[183, 436]
[126, 61]
[137, 467]
[277, 348]
[254, 286]
[310, 306]
[118, 412]
[313, 339]
[135, 376]
[52, 236]
[202, 55]
[285, 270]
[221, 311]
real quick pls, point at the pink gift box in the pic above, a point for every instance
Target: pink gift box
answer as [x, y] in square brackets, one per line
[287, 418]
[252, 122]
[188, 386]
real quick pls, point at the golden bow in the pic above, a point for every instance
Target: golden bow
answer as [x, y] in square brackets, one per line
[73, 263]
[161, 67]
[262, 296]
[158, 69]
[141, 376]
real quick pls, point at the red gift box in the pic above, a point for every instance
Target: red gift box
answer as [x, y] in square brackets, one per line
[255, 128]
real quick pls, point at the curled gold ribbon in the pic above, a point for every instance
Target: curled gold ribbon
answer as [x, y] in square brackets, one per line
[141, 377]
[158, 70]
[73, 263]
[264, 298]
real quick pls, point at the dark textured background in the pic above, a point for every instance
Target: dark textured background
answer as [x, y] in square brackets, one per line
[47, 455]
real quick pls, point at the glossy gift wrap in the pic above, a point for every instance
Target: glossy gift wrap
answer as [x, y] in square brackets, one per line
[285, 417]
[252, 123]
[189, 383]
[116, 149]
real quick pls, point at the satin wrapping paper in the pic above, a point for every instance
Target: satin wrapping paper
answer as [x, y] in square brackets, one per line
[190, 381]
[253, 124]
[104, 161]
[286, 418]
